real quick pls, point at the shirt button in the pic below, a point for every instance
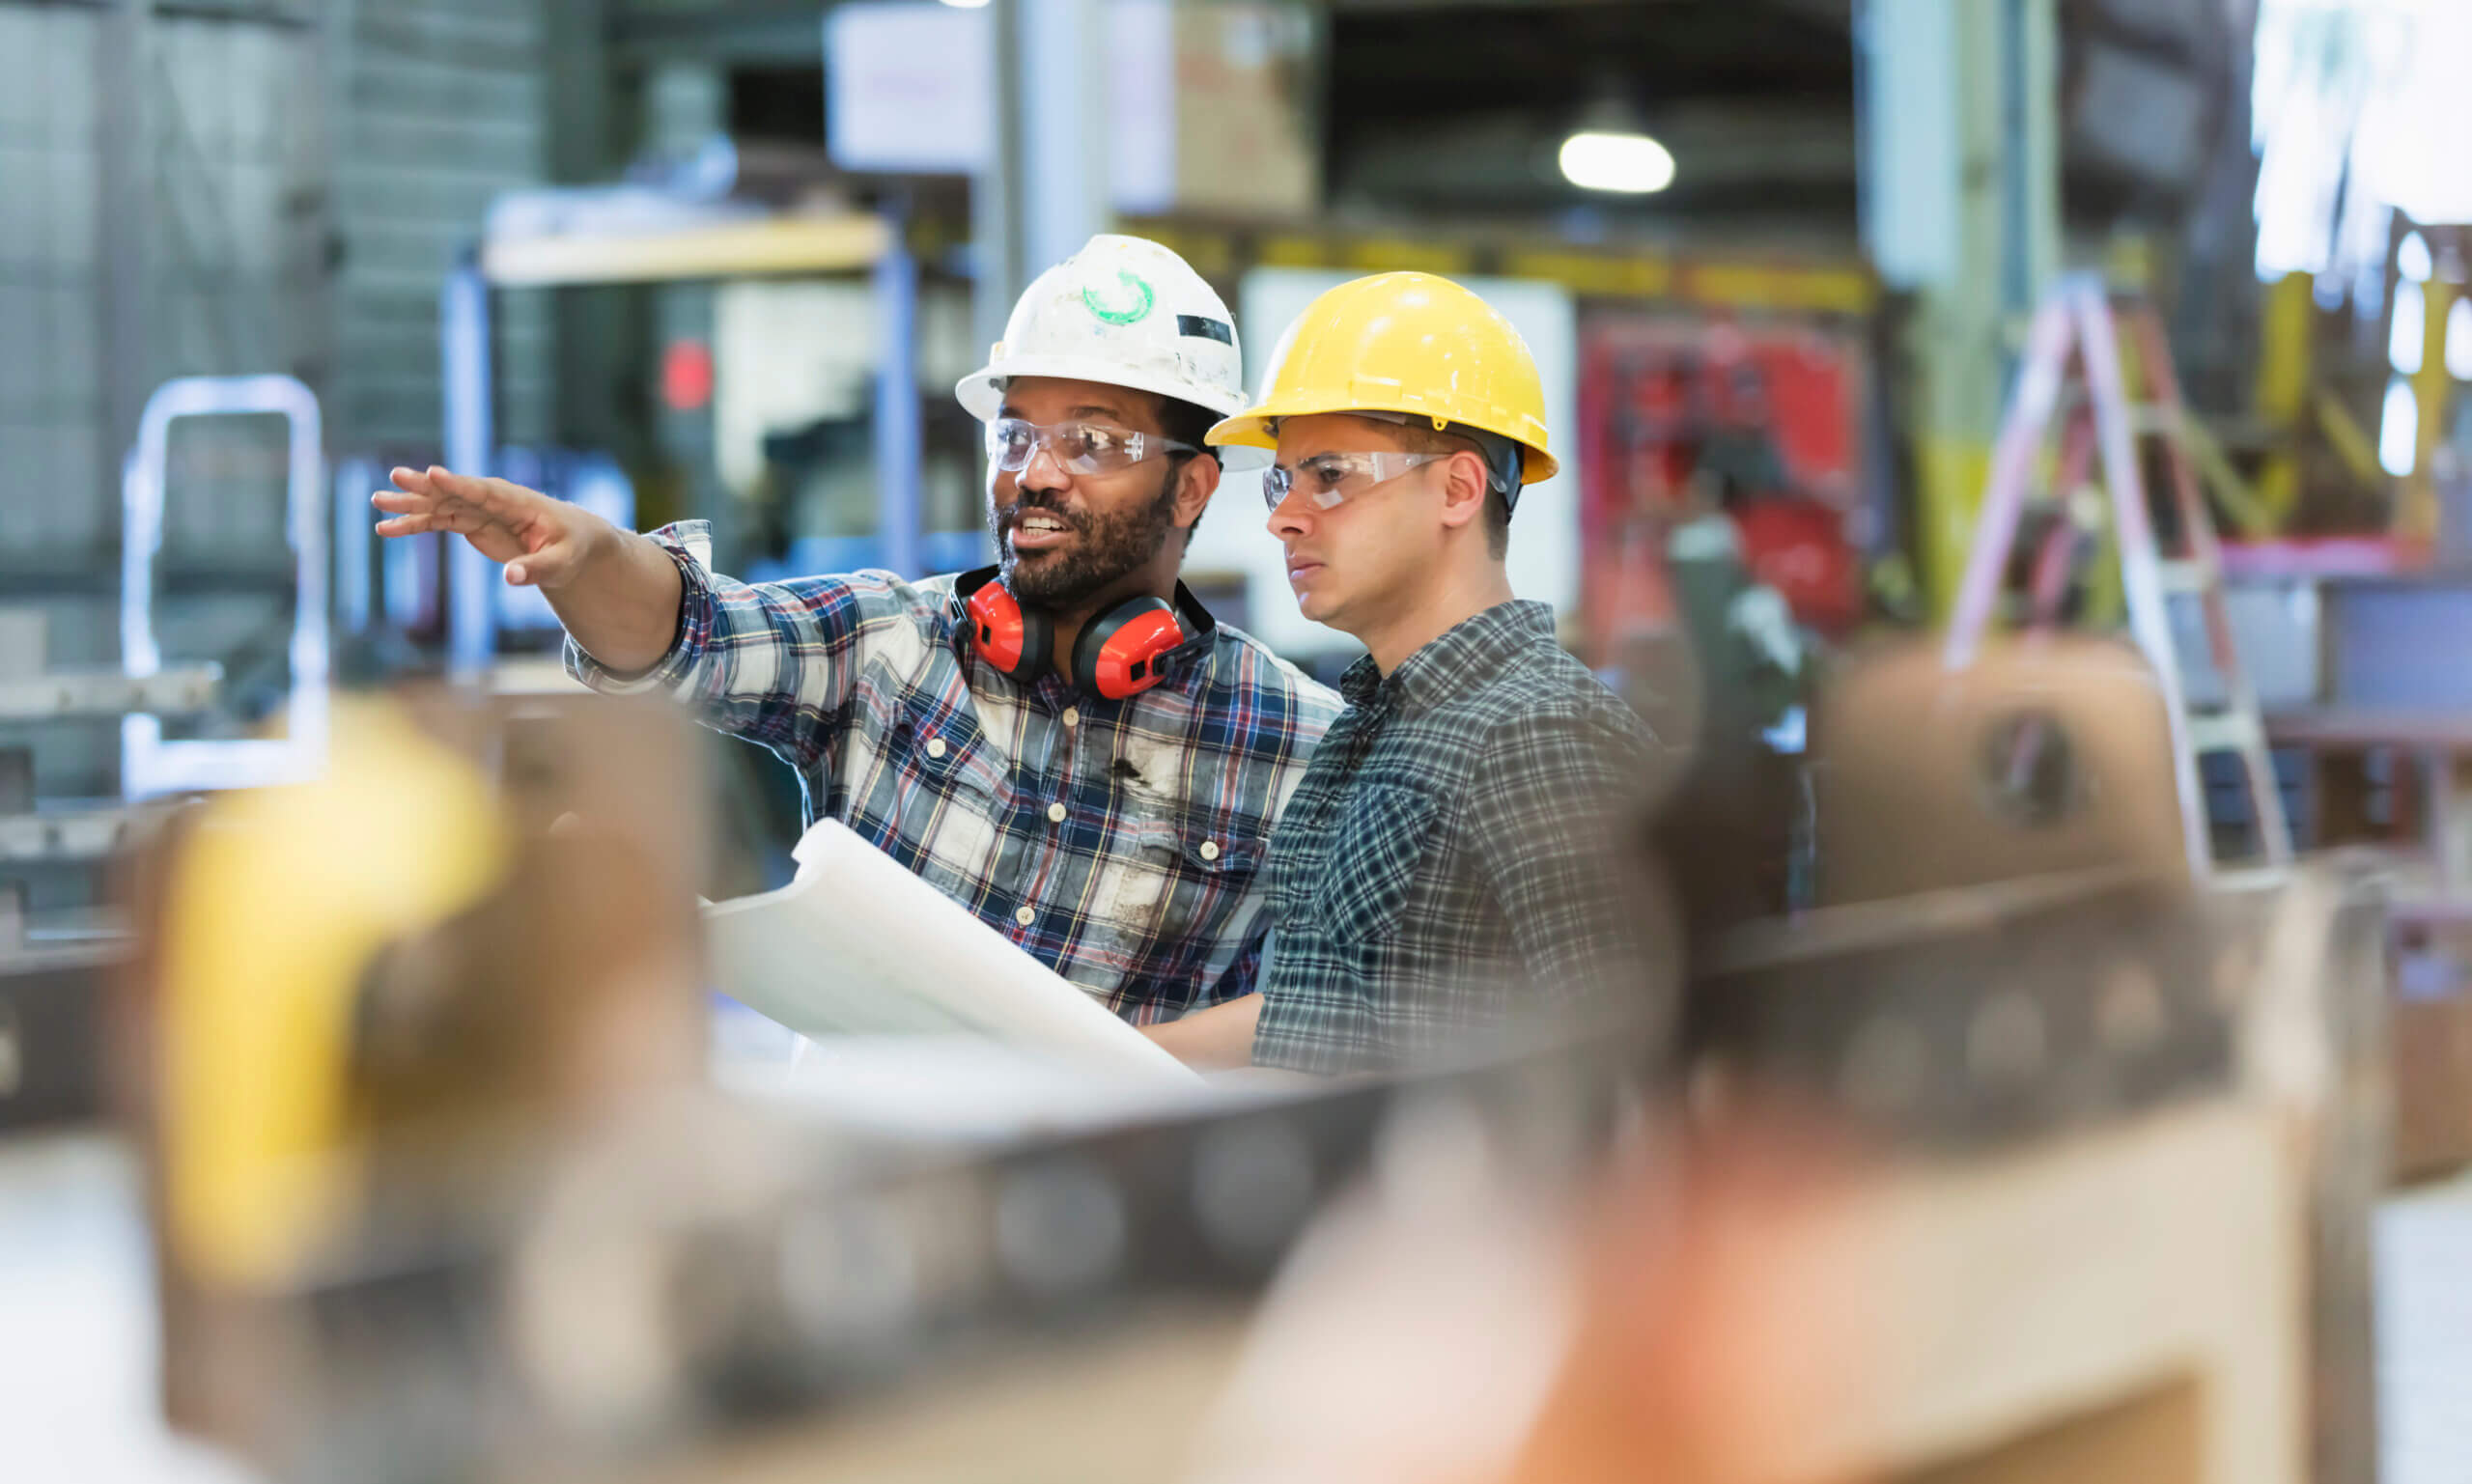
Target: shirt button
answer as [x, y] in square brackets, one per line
[1073, 716]
[935, 747]
[1026, 916]
[1056, 812]
[1210, 849]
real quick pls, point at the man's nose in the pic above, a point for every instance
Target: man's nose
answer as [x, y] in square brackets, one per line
[1044, 471]
[1292, 516]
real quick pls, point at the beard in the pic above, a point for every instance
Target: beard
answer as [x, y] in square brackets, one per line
[1104, 546]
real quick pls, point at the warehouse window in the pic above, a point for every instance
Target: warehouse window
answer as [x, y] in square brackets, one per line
[2364, 92]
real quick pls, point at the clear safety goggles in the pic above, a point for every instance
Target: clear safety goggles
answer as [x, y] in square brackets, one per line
[1080, 448]
[1329, 480]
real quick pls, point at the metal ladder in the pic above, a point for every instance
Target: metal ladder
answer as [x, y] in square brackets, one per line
[2079, 324]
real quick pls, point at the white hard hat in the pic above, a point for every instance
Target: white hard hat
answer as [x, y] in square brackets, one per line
[1123, 311]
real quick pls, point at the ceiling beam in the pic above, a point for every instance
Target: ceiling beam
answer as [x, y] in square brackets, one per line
[1834, 12]
[1490, 5]
[762, 32]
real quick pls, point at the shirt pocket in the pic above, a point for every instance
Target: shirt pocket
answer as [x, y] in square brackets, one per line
[909, 746]
[951, 795]
[1173, 877]
[1377, 849]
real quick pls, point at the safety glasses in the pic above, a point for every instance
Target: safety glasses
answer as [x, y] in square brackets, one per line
[1082, 448]
[1332, 478]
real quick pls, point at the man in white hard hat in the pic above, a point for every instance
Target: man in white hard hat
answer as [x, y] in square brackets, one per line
[1066, 743]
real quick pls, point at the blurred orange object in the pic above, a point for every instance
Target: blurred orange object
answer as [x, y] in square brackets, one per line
[1726, 1329]
[1694, 1321]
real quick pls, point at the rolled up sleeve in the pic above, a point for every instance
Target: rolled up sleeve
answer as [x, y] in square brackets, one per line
[689, 545]
[774, 662]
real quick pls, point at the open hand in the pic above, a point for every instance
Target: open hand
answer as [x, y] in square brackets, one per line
[542, 541]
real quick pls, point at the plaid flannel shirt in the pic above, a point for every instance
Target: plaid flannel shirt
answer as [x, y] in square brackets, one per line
[1451, 867]
[1119, 842]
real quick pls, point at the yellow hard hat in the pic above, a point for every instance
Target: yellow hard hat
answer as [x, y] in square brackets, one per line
[1404, 342]
[274, 913]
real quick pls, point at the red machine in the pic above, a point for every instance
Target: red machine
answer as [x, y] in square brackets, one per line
[1760, 421]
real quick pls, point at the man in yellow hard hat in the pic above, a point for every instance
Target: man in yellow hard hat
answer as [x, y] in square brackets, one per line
[1445, 874]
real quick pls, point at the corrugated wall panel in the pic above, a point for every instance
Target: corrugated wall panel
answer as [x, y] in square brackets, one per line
[257, 152]
[256, 149]
[235, 287]
[480, 38]
[50, 501]
[445, 107]
[450, 110]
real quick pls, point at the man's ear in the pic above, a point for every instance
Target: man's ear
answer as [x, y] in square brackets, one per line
[1464, 485]
[1195, 484]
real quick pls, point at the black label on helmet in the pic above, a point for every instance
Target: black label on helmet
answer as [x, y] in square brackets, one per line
[1203, 327]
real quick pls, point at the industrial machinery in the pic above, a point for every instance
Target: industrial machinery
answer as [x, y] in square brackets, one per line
[151, 762]
[2023, 1169]
[57, 947]
[60, 941]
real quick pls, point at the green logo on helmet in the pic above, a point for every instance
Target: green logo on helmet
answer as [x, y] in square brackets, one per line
[1131, 313]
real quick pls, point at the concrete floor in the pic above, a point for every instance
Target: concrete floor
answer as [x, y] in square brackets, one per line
[2425, 1333]
[78, 1345]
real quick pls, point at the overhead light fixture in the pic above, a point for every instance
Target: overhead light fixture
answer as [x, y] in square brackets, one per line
[1608, 149]
[967, 4]
[1626, 164]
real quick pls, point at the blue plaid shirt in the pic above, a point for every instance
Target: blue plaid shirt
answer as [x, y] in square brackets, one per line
[1453, 871]
[1119, 842]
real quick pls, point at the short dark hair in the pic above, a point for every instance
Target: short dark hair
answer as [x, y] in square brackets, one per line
[1189, 422]
[1425, 438]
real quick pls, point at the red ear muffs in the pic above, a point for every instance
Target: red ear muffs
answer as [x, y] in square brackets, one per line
[1118, 651]
[1015, 639]
[1115, 656]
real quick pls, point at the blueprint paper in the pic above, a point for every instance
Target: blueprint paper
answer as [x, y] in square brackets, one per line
[857, 946]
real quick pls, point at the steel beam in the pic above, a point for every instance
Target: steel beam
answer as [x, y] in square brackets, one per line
[898, 421]
[123, 226]
[997, 191]
[463, 346]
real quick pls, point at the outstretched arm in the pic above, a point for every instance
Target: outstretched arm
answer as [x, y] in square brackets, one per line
[616, 592]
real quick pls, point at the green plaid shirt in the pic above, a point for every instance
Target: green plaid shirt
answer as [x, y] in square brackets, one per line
[1448, 871]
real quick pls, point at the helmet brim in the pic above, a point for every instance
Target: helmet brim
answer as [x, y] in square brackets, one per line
[981, 392]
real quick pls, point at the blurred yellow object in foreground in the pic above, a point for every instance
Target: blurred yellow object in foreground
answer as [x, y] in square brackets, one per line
[276, 908]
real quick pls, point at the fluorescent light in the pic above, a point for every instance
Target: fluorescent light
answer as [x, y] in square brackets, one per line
[1629, 164]
[2412, 259]
[2399, 438]
[967, 4]
[2410, 331]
